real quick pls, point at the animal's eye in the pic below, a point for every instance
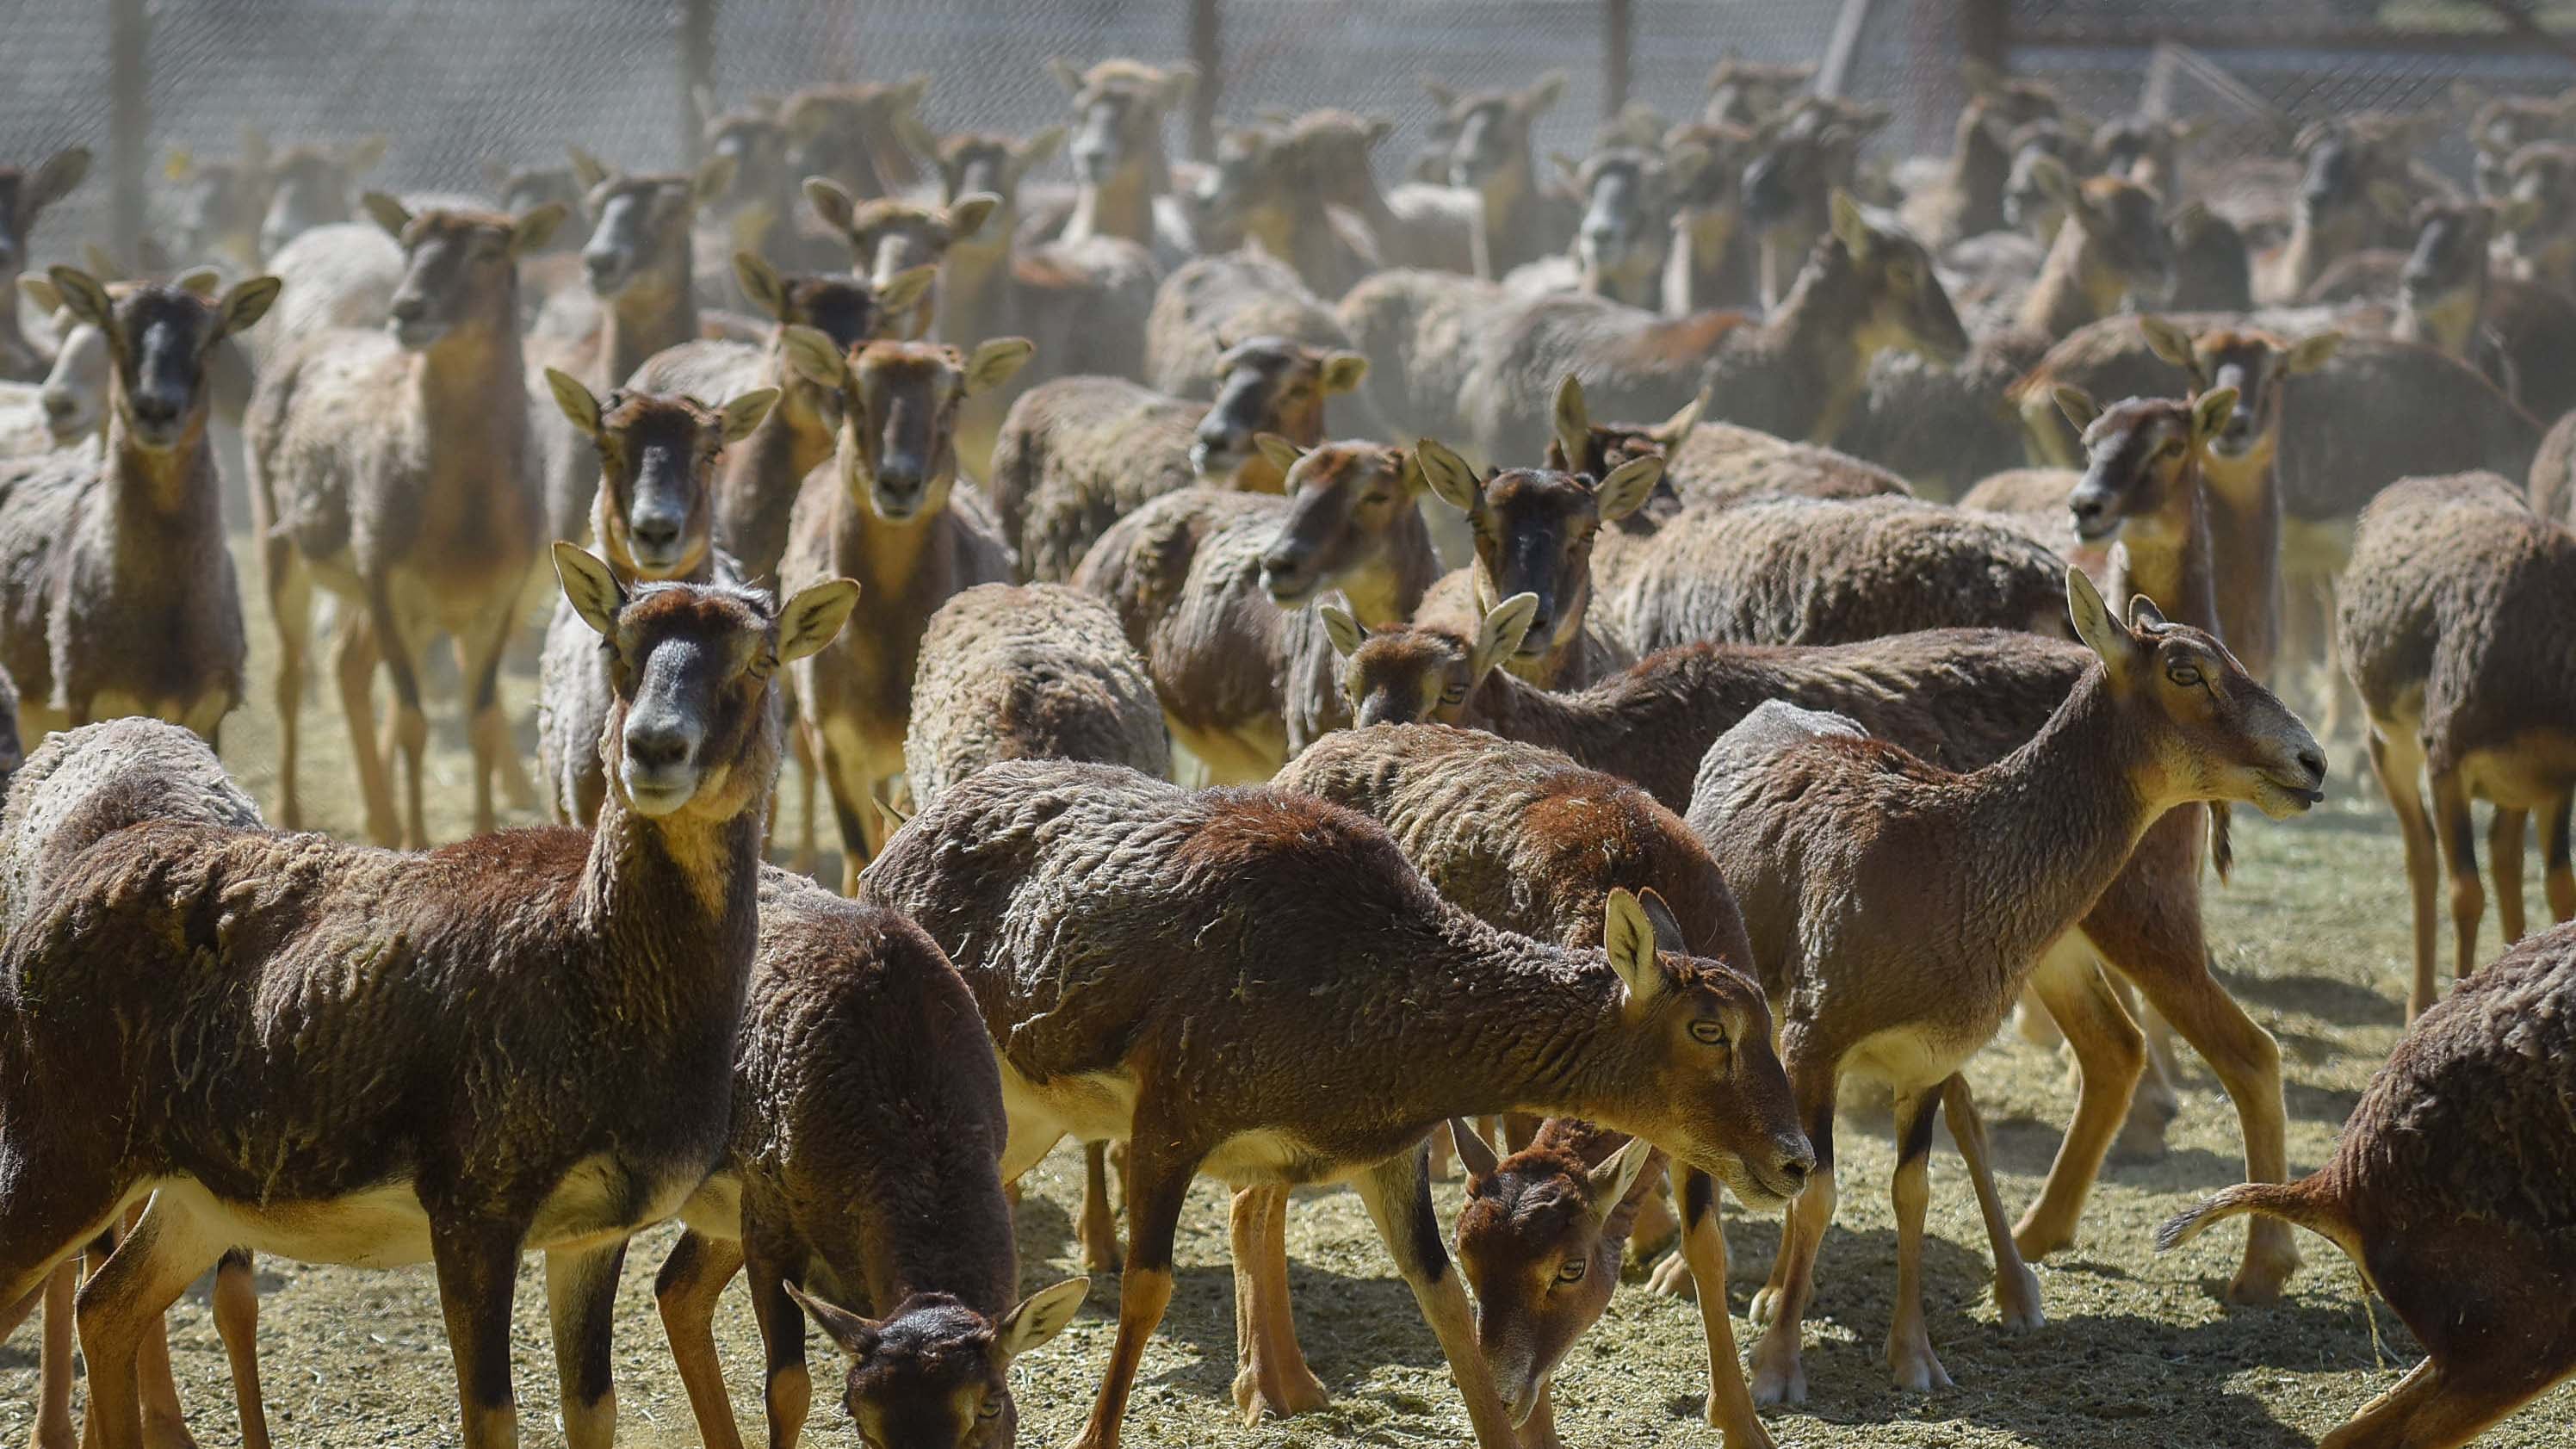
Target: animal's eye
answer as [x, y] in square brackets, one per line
[1375, 497]
[2172, 448]
[1708, 1033]
[763, 664]
[1572, 1271]
[2184, 676]
[992, 1406]
[1454, 695]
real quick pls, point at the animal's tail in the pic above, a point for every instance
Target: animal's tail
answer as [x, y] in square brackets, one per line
[2302, 1204]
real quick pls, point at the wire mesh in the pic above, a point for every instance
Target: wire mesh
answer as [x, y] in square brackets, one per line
[457, 83]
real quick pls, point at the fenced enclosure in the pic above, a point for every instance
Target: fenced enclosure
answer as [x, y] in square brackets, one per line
[457, 83]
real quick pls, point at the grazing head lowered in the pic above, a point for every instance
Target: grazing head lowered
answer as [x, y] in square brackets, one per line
[690, 733]
[1411, 674]
[157, 338]
[1344, 502]
[460, 268]
[1269, 384]
[1533, 529]
[898, 405]
[657, 463]
[1908, 310]
[934, 1373]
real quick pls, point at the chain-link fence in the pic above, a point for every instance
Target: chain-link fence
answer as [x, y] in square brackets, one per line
[457, 83]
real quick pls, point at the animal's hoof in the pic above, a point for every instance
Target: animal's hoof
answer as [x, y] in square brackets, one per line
[163, 1433]
[1260, 1392]
[1746, 1435]
[2142, 1136]
[2037, 1239]
[1778, 1379]
[1766, 1305]
[2265, 1273]
[2017, 1300]
[1672, 1279]
[1916, 1369]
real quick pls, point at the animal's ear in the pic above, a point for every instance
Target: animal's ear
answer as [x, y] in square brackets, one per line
[2391, 200]
[969, 213]
[1440, 93]
[816, 359]
[1980, 78]
[1277, 451]
[2094, 625]
[245, 304]
[1066, 73]
[2311, 353]
[702, 97]
[1544, 92]
[761, 283]
[1341, 372]
[386, 212]
[812, 617]
[2143, 613]
[1668, 927]
[2209, 411]
[1499, 635]
[2055, 182]
[1036, 151]
[913, 132]
[1041, 1316]
[1850, 227]
[2170, 343]
[84, 298]
[1374, 130]
[54, 179]
[907, 94]
[365, 153]
[995, 359]
[1676, 430]
[202, 282]
[40, 290]
[1629, 937]
[575, 400]
[2076, 404]
[856, 1336]
[1626, 488]
[495, 175]
[714, 179]
[887, 811]
[531, 230]
[1685, 164]
[1344, 629]
[1448, 475]
[1569, 174]
[1474, 1153]
[1616, 1176]
[747, 412]
[904, 290]
[1571, 422]
[588, 171]
[1179, 83]
[831, 201]
[2518, 212]
[177, 166]
[594, 591]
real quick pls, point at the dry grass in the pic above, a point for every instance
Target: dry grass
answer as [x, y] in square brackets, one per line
[2137, 1351]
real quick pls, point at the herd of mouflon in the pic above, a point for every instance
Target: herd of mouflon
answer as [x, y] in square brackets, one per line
[1596, 739]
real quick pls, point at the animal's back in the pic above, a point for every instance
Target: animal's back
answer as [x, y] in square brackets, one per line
[1077, 454]
[322, 424]
[42, 500]
[713, 372]
[85, 784]
[1028, 672]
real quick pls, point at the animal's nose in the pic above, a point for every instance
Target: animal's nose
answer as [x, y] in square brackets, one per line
[1540, 623]
[408, 309]
[657, 531]
[1794, 1168]
[1215, 432]
[601, 265]
[60, 406]
[2087, 506]
[157, 408]
[2313, 760]
[656, 744]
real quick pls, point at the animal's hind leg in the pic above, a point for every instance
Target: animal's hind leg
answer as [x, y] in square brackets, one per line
[54, 1362]
[517, 788]
[1099, 1226]
[1909, 1343]
[356, 667]
[2504, 865]
[2016, 1287]
[237, 1322]
[1275, 1377]
[290, 604]
[496, 752]
[2399, 762]
[2558, 868]
[685, 1291]
[2110, 1054]
[121, 1308]
[2454, 827]
[853, 809]
[2430, 1408]
[407, 734]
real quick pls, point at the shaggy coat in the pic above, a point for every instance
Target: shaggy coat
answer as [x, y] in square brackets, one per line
[1034, 672]
[1212, 303]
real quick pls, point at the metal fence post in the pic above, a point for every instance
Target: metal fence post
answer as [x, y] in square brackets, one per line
[1207, 52]
[129, 125]
[697, 75]
[1617, 26]
[1985, 32]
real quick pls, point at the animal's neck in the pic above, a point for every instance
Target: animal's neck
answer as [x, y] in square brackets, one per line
[1385, 591]
[1500, 219]
[2244, 501]
[1706, 267]
[467, 379]
[1812, 349]
[2167, 557]
[2446, 326]
[884, 557]
[1978, 172]
[2313, 247]
[1536, 1037]
[2068, 292]
[680, 892]
[974, 288]
[1123, 205]
[760, 227]
[153, 489]
[656, 312]
[2065, 810]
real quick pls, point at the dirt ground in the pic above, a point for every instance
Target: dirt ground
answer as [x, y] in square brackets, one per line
[2137, 1350]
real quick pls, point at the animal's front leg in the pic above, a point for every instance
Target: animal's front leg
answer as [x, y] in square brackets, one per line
[477, 1261]
[581, 1299]
[686, 1291]
[1397, 1193]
